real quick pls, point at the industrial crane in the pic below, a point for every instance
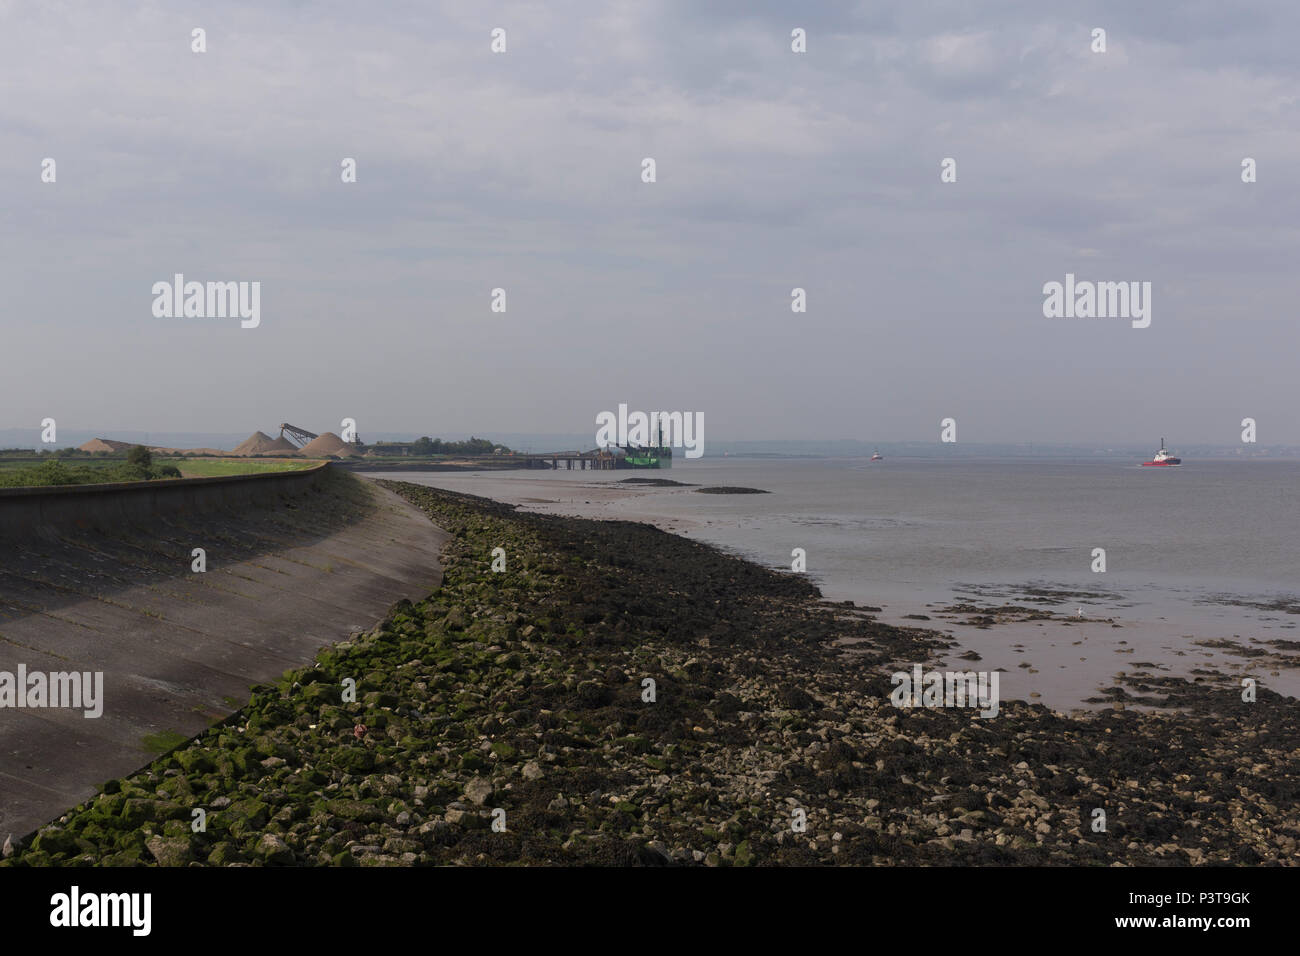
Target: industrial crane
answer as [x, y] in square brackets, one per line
[299, 436]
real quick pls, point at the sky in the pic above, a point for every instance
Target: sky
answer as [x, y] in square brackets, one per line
[775, 170]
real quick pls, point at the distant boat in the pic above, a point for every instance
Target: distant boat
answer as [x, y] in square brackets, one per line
[1162, 458]
[876, 456]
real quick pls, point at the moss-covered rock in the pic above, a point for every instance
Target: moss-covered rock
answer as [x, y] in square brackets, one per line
[272, 850]
[55, 841]
[357, 810]
[175, 851]
[225, 853]
[242, 817]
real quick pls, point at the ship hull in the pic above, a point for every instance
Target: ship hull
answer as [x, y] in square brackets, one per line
[663, 459]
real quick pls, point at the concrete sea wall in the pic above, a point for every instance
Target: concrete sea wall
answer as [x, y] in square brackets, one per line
[100, 580]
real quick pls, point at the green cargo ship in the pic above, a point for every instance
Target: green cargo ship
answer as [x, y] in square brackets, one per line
[645, 458]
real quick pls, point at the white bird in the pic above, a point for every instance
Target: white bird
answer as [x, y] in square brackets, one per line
[7, 850]
[1078, 612]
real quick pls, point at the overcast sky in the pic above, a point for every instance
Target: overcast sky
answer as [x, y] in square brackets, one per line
[775, 169]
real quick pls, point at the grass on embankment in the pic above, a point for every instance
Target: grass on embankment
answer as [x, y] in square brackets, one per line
[223, 467]
[54, 472]
[75, 471]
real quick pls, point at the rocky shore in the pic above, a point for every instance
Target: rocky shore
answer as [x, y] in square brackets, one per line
[510, 718]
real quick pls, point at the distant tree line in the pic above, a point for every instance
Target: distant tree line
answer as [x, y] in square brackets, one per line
[470, 446]
[56, 453]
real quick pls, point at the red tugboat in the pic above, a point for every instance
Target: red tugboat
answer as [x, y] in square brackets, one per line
[1161, 458]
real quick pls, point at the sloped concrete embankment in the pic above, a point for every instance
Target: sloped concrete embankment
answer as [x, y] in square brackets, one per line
[100, 580]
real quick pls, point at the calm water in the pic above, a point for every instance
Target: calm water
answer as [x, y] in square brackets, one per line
[925, 526]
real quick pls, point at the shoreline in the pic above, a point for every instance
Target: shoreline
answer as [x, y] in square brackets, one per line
[521, 694]
[1070, 665]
